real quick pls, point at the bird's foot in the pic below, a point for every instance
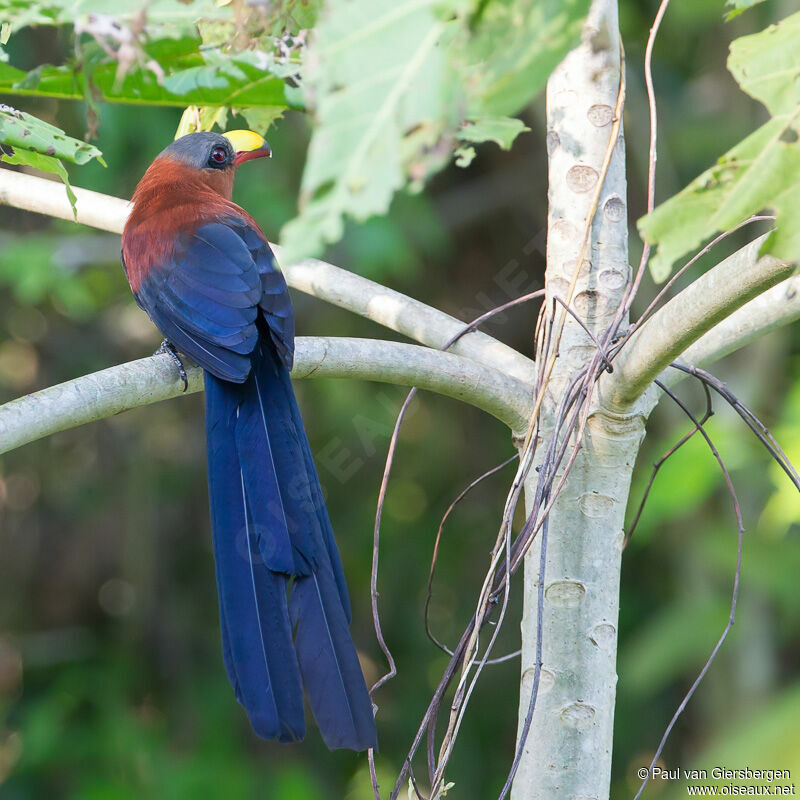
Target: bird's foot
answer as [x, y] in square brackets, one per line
[168, 348]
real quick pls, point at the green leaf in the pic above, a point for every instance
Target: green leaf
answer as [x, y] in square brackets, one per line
[196, 118]
[240, 80]
[763, 171]
[767, 65]
[28, 158]
[739, 7]
[194, 79]
[28, 141]
[262, 118]
[387, 96]
[502, 130]
[184, 51]
[381, 103]
[516, 46]
[24, 131]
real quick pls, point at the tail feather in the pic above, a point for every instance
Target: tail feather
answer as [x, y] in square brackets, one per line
[257, 635]
[298, 473]
[222, 459]
[284, 545]
[329, 664]
[227, 655]
[278, 568]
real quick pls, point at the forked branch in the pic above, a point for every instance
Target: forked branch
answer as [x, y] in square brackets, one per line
[706, 302]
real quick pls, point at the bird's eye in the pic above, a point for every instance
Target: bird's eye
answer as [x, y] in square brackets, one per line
[219, 155]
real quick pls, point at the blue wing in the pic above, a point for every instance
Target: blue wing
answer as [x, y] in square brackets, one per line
[209, 297]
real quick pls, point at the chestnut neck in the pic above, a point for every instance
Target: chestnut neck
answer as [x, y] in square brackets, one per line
[167, 181]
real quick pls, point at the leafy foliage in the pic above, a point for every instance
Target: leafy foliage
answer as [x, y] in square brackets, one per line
[176, 73]
[28, 141]
[760, 172]
[501, 130]
[201, 54]
[371, 85]
[21, 130]
[170, 53]
[391, 108]
[393, 100]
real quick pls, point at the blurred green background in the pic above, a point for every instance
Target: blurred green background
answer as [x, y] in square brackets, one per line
[111, 678]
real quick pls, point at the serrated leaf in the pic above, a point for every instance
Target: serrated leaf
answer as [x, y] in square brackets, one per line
[501, 130]
[763, 171]
[28, 158]
[204, 118]
[21, 130]
[767, 65]
[262, 118]
[370, 85]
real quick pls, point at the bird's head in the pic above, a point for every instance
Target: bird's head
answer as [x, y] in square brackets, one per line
[217, 151]
[200, 159]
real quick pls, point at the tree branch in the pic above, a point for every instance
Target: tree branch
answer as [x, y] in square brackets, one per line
[324, 281]
[48, 197]
[686, 318]
[148, 380]
[776, 307]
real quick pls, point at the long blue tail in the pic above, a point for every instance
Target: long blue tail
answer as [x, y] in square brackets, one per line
[284, 609]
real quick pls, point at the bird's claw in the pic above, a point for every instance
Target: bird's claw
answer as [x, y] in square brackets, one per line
[168, 348]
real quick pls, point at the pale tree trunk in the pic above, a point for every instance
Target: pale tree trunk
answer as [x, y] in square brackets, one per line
[567, 755]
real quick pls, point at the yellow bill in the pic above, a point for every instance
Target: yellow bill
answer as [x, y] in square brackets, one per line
[247, 142]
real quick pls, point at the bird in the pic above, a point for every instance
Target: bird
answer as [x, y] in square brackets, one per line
[201, 268]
